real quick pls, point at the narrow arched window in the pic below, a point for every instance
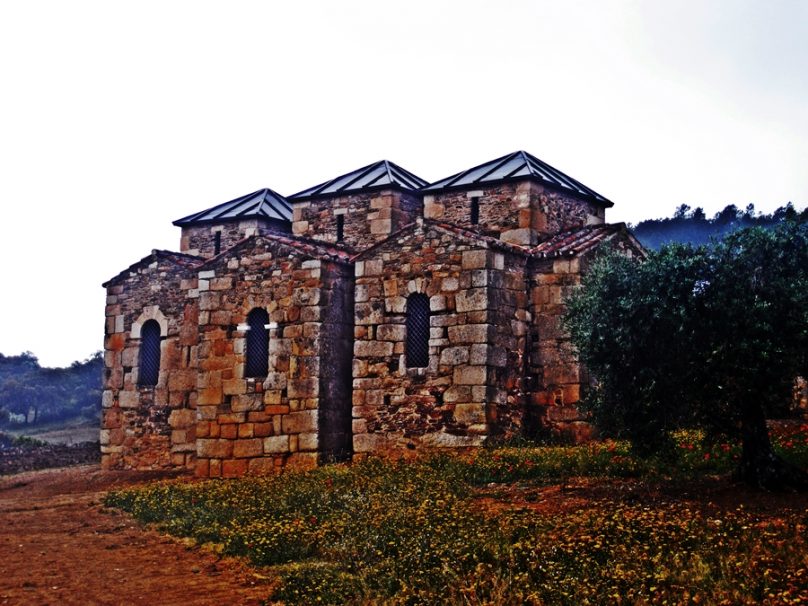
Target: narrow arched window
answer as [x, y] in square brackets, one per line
[257, 348]
[149, 370]
[417, 331]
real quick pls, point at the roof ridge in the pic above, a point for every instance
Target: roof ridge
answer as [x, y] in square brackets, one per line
[321, 249]
[528, 167]
[232, 209]
[392, 176]
[446, 227]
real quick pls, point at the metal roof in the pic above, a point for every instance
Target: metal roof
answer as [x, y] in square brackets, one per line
[262, 204]
[379, 175]
[516, 166]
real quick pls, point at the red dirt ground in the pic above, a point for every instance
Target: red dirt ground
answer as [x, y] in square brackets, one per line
[59, 545]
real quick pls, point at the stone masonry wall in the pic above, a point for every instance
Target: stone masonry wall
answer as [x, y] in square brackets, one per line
[261, 425]
[554, 374]
[510, 317]
[520, 213]
[458, 400]
[199, 240]
[149, 427]
[369, 217]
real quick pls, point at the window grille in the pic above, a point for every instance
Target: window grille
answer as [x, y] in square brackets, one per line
[257, 347]
[417, 331]
[149, 370]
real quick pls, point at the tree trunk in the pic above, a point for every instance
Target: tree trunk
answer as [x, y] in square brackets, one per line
[760, 466]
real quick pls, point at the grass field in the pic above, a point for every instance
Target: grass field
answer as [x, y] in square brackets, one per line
[524, 525]
[68, 432]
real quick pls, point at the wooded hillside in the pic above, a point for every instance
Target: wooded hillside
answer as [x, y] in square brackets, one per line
[691, 226]
[31, 394]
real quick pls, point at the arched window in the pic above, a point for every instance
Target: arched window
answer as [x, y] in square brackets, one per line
[257, 348]
[149, 369]
[417, 331]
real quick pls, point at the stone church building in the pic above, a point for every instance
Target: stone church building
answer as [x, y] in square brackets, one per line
[373, 313]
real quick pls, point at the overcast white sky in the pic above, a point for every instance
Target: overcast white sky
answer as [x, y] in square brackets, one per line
[118, 118]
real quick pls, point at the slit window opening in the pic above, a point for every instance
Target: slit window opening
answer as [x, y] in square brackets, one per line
[475, 210]
[340, 227]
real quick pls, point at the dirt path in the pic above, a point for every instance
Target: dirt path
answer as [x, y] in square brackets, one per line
[59, 546]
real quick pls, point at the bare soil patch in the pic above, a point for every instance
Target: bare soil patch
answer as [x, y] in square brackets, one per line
[28, 457]
[59, 545]
[709, 494]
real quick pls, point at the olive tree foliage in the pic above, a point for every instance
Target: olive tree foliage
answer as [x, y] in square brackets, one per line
[709, 337]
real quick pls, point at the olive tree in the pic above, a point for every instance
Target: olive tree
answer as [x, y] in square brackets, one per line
[709, 337]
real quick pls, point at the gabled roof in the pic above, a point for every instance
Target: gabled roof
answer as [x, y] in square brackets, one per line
[379, 175]
[261, 204]
[580, 240]
[516, 166]
[455, 231]
[312, 249]
[180, 260]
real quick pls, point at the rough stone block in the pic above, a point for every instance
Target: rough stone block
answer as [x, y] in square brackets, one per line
[248, 448]
[471, 300]
[469, 333]
[276, 444]
[469, 375]
[228, 431]
[391, 332]
[304, 421]
[373, 349]
[452, 356]
[180, 418]
[474, 259]
[446, 440]
[214, 449]
[469, 413]
[307, 441]
[128, 399]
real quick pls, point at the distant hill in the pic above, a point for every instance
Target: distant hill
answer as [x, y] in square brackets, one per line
[691, 225]
[31, 394]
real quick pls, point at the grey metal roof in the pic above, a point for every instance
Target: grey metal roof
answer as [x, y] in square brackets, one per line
[516, 166]
[379, 175]
[262, 204]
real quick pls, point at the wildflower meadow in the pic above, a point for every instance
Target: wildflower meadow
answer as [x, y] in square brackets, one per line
[448, 529]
